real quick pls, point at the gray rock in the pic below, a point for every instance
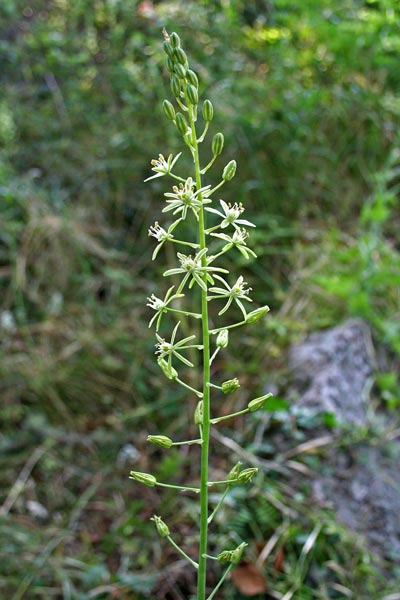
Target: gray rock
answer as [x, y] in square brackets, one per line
[332, 371]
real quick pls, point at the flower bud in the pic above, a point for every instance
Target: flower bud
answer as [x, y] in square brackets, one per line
[192, 78]
[229, 171]
[192, 94]
[257, 314]
[175, 86]
[225, 556]
[217, 144]
[257, 403]
[180, 56]
[208, 110]
[234, 472]
[223, 338]
[162, 528]
[181, 123]
[145, 478]
[168, 49]
[175, 40]
[180, 70]
[247, 475]
[160, 440]
[198, 413]
[170, 64]
[230, 385]
[169, 110]
[167, 369]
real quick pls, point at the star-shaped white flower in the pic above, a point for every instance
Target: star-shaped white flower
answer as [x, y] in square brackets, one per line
[235, 293]
[184, 197]
[230, 215]
[237, 240]
[161, 166]
[168, 349]
[192, 267]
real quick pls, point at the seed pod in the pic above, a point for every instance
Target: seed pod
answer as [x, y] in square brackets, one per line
[192, 94]
[168, 49]
[217, 144]
[230, 385]
[237, 553]
[175, 40]
[144, 478]
[160, 440]
[247, 475]
[224, 556]
[181, 123]
[229, 171]
[180, 56]
[192, 78]
[169, 110]
[223, 338]
[180, 70]
[257, 403]
[257, 314]
[175, 86]
[198, 413]
[161, 526]
[168, 370]
[208, 110]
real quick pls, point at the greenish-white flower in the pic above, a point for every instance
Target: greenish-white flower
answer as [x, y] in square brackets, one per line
[172, 348]
[231, 215]
[162, 166]
[236, 240]
[161, 306]
[236, 293]
[192, 268]
[185, 197]
[161, 235]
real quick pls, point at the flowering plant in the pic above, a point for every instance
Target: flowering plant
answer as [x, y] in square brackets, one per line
[190, 200]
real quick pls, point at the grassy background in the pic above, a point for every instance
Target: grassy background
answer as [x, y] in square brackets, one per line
[307, 95]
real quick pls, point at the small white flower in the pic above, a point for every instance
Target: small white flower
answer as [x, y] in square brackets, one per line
[161, 166]
[161, 306]
[161, 235]
[184, 197]
[230, 215]
[168, 349]
[191, 267]
[237, 240]
[235, 293]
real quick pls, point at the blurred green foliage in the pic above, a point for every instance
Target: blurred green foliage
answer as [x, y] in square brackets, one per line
[308, 94]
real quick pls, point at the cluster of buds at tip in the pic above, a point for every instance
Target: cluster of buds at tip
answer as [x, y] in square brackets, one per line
[247, 475]
[223, 338]
[232, 556]
[144, 478]
[160, 440]
[230, 385]
[161, 526]
[257, 314]
[258, 403]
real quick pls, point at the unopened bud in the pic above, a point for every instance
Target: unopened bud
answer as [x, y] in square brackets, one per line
[145, 478]
[162, 528]
[168, 49]
[160, 440]
[223, 338]
[192, 94]
[181, 123]
[230, 385]
[170, 64]
[229, 171]
[169, 110]
[224, 556]
[234, 472]
[257, 314]
[247, 475]
[217, 144]
[167, 369]
[198, 413]
[258, 403]
[180, 56]
[175, 40]
[208, 110]
[180, 70]
[175, 86]
[192, 78]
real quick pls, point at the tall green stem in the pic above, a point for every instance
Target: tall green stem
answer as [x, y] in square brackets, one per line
[202, 571]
